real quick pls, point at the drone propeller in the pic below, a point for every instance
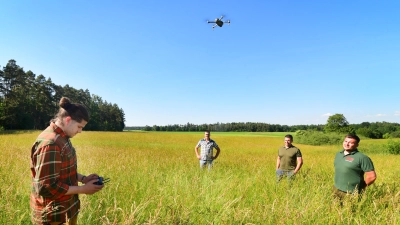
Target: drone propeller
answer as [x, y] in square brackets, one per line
[209, 21]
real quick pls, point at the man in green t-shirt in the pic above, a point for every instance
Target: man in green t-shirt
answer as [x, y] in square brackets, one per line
[350, 168]
[289, 160]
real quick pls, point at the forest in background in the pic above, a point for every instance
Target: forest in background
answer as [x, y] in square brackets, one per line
[29, 102]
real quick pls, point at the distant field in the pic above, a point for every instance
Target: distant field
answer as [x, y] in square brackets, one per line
[155, 179]
[236, 134]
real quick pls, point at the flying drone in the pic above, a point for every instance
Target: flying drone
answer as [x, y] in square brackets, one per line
[219, 22]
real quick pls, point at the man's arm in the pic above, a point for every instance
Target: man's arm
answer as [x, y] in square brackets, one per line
[278, 163]
[89, 188]
[47, 168]
[217, 154]
[370, 177]
[196, 149]
[299, 164]
[49, 184]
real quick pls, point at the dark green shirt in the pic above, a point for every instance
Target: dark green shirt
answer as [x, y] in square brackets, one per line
[288, 157]
[350, 169]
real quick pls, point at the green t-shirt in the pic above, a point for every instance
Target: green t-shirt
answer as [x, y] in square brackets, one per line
[288, 157]
[350, 169]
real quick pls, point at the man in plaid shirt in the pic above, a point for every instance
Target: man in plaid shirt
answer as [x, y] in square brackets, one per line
[54, 197]
[206, 155]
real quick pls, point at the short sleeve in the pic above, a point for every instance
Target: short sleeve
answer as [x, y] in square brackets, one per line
[215, 145]
[367, 164]
[298, 153]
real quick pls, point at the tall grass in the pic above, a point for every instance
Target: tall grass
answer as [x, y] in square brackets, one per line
[155, 179]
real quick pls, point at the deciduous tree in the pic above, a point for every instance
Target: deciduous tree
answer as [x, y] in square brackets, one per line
[339, 124]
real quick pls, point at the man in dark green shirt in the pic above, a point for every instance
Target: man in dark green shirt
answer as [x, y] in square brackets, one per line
[350, 168]
[289, 160]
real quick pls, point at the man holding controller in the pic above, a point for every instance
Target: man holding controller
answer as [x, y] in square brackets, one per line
[54, 198]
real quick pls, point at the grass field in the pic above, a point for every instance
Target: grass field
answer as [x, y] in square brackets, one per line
[155, 179]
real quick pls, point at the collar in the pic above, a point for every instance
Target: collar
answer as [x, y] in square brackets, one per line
[350, 153]
[58, 130]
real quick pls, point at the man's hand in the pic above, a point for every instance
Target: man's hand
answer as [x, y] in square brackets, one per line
[90, 178]
[91, 188]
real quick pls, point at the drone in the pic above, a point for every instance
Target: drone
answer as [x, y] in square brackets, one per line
[219, 22]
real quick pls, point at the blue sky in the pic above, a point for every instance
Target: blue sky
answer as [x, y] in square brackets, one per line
[278, 62]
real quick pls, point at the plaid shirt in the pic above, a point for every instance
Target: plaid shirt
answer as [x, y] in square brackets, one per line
[207, 148]
[54, 169]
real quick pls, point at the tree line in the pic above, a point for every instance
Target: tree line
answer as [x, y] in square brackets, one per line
[230, 127]
[335, 124]
[29, 102]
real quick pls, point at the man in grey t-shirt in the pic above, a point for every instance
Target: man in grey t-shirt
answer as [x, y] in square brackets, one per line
[206, 155]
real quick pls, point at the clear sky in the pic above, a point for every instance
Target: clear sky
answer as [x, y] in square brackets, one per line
[278, 62]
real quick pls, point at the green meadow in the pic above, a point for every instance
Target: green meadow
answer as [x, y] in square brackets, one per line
[155, 179]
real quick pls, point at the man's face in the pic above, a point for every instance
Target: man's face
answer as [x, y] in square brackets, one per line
[349, 144]
[207, 135]
[73, 127]
[288, 142]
